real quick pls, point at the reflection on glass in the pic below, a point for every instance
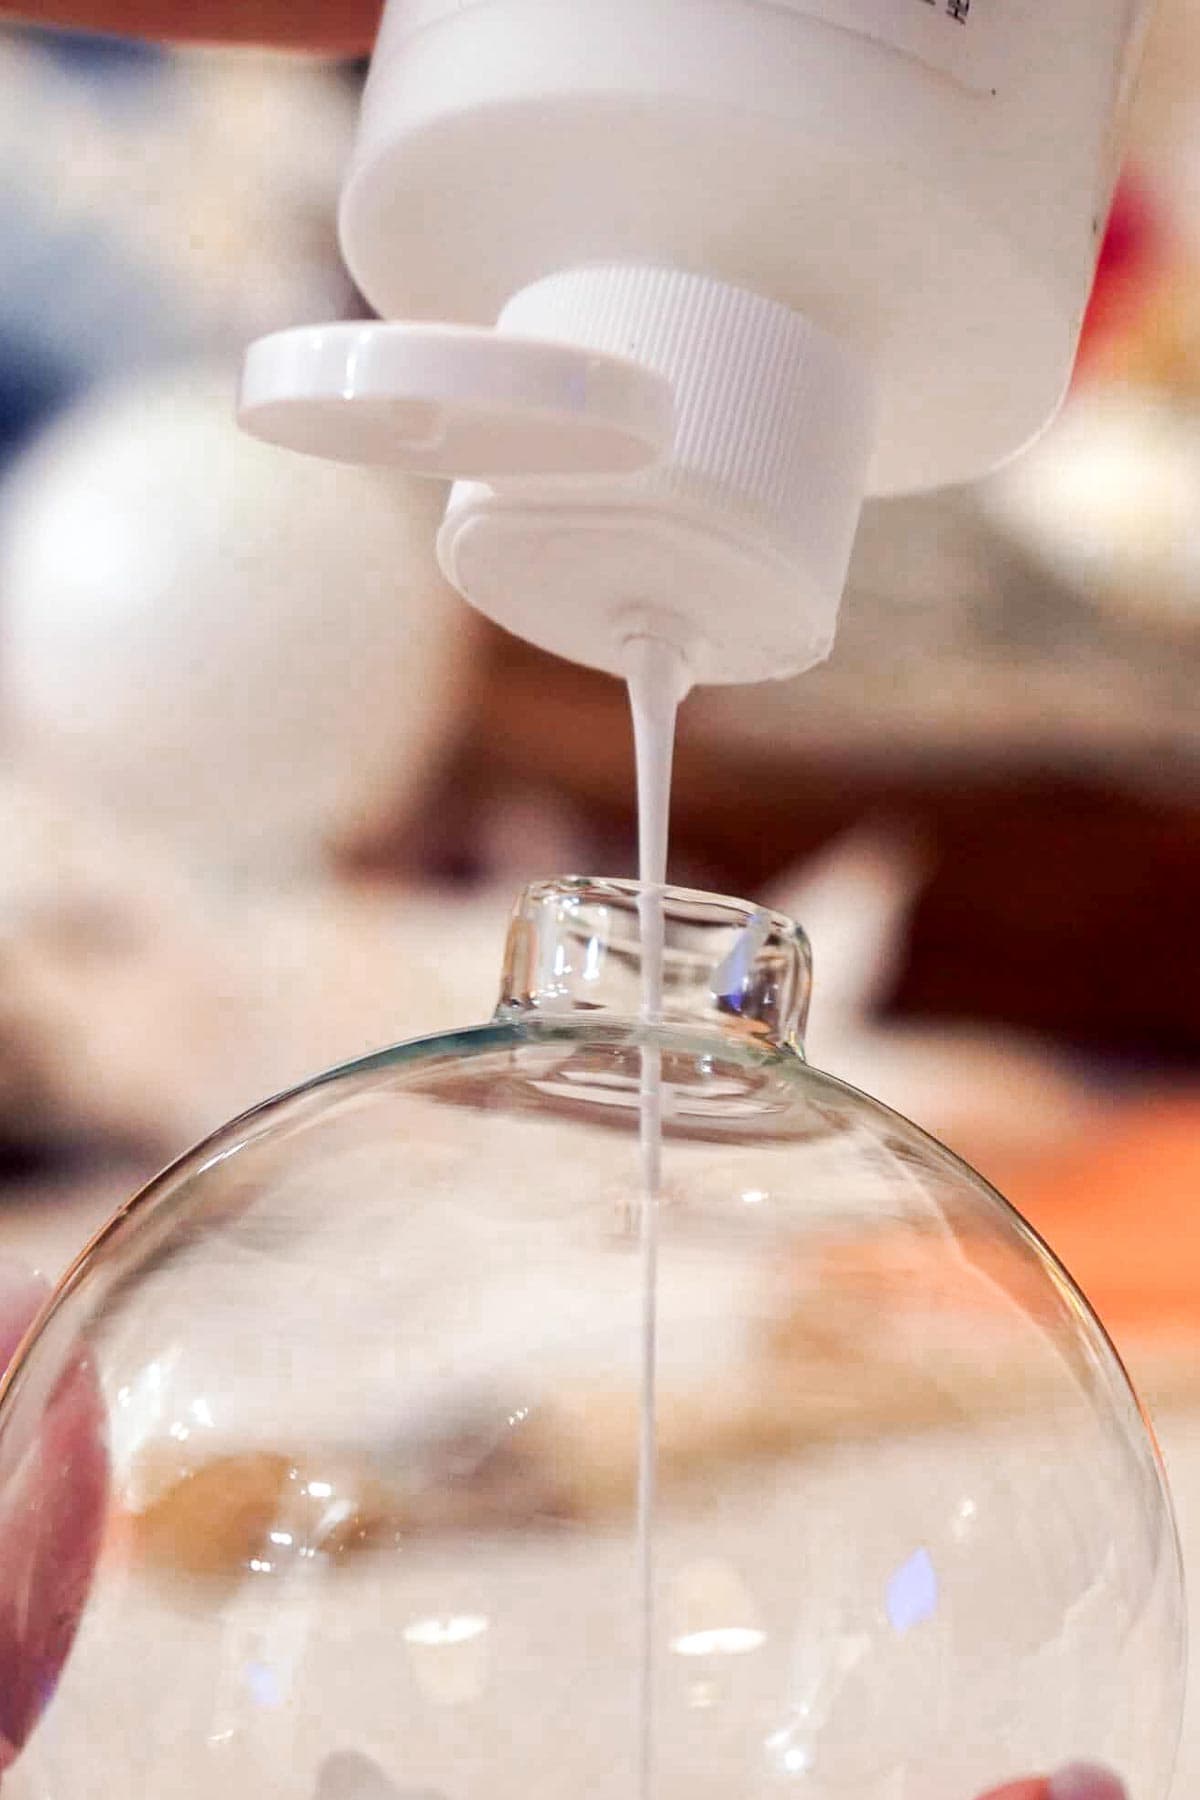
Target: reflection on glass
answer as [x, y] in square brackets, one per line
[912, 1592]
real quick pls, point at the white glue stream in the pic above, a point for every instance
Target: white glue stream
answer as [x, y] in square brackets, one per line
[658, 680]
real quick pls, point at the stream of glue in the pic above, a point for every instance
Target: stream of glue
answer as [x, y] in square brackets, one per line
[658, 681]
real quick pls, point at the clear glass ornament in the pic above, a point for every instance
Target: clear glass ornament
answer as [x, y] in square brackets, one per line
[346, 1415]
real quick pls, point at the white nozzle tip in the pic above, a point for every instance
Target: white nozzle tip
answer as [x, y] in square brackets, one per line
[657, 662]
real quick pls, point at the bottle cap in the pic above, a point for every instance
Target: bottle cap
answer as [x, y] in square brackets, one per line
[636, 450]
[452, 400]
[735, 544]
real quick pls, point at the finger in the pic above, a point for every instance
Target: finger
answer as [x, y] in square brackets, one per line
[21, 1297]
[1082, 1781]
[1079, 1782]
[52, 1510]
[346, 28]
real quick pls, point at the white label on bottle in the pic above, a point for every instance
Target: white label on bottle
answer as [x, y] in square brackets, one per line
[956, 37]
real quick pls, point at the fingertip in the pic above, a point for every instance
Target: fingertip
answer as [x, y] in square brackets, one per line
[1082, 1781]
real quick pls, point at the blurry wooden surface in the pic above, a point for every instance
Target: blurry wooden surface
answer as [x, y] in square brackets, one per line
[1058, 902]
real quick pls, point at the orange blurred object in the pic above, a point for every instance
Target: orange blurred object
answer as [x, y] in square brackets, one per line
[1122, 1211]
[1128, 270]
[1120, 1208]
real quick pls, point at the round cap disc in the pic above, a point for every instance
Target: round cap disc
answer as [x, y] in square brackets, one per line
[454, 401]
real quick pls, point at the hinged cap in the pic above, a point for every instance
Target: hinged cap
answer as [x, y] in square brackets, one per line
[456, 401]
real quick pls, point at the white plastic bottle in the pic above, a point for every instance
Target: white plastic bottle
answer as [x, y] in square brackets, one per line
[854, 237]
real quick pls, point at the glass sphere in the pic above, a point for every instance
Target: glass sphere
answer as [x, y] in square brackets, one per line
[393, 1444]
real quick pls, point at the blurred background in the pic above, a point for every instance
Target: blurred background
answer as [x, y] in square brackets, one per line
[268, 789]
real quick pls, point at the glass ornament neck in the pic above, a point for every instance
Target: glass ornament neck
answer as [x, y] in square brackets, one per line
[575, 946]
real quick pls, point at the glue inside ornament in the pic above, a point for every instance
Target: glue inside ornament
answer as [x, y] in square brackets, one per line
[371, 1365]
